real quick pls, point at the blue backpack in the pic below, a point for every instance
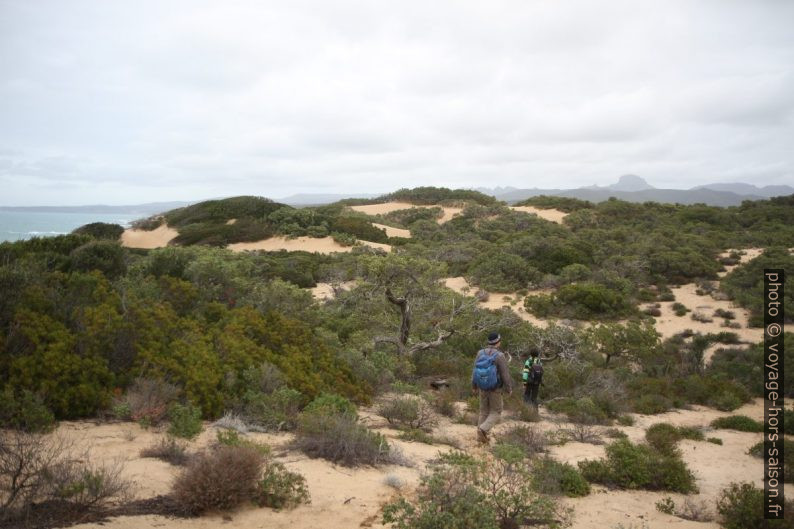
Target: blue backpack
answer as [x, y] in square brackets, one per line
[485, 373]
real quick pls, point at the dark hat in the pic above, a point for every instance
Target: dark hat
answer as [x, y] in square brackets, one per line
[494, 338]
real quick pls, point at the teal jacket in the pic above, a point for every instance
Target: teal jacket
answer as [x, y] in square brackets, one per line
[528, 365]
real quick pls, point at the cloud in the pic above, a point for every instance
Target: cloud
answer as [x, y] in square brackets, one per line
[105, 102]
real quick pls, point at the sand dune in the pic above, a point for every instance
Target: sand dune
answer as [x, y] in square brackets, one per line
[324, 245]
[156, 238]
[553, 215]
[393, 232]
[388, 207]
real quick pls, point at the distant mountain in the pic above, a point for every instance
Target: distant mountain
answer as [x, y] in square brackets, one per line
[750, 189]
[633, 188]
[630, 182]
[318, 199]
[150, 208]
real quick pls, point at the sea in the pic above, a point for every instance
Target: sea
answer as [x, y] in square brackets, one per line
[18, 225]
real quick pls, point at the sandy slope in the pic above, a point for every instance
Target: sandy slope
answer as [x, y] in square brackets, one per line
[157, 238]
[323, 245]
[388, 207]
[393, 232]
[553, 215]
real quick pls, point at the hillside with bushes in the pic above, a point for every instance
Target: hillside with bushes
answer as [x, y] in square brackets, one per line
[164, 339]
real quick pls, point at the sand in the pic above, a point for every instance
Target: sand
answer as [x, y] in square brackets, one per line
[393, 232]
[553, 215]
[324, 245]
[325, 291]
[388, 207]
[498, 300]
[156, 238]
[343, 498]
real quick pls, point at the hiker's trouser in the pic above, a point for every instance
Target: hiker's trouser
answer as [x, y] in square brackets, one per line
[531, 394]
[490, 409]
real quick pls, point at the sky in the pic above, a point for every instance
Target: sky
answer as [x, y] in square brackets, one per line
[147, 101]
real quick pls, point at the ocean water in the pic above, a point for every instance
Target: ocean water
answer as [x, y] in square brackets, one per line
[16, 225]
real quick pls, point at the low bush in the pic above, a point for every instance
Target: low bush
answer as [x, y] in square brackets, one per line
[463, 492]
[639, 466]
[714, 440]
[416, 435]
[25, 411]
[100, 230]
[185, 421]
[331, 403]
[147, 400]
[46, 471]
[532, 441]
[651, 404]
[741, 506]
[738, 422]
[583, 410]
[679, 309]
[219, 479]
[232, 438]
[664, 436]
[552, 477]
[408, 412]
[279, 488]
[757, 450]
[272, 412]
[168, 449]
[340, 439]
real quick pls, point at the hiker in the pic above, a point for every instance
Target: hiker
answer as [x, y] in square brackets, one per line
[490, 377]
[532, 377]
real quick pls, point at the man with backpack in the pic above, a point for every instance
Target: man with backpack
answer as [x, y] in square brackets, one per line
[490, 375]
[532, 376]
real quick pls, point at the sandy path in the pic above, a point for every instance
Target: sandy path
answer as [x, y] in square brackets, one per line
[324, 245]
[553, 215]
[749, 255]
[388, 207]
[157, 238]
[393, 232]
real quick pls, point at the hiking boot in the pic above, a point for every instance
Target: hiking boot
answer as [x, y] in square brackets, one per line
[482, 437]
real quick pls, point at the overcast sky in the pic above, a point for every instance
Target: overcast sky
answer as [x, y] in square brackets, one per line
[128, 102]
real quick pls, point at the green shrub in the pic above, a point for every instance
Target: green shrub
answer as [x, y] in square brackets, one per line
[582, 411]
[332, 404]
[272, 412]
[741, 506]
[232, 438]
[100, 230]
[462, 492]
[416, 435]
[552, 477]
[663, 437]
[280, 488]
[757, 450]
[105, 256]
[679, 309]
[25, 411]
[185, 421]
[639, 466]
[625, 420]
[651, 404]
[714, 440]
[666, 505]
[738, 422]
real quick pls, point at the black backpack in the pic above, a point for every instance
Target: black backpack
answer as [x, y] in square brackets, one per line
[535, 373]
